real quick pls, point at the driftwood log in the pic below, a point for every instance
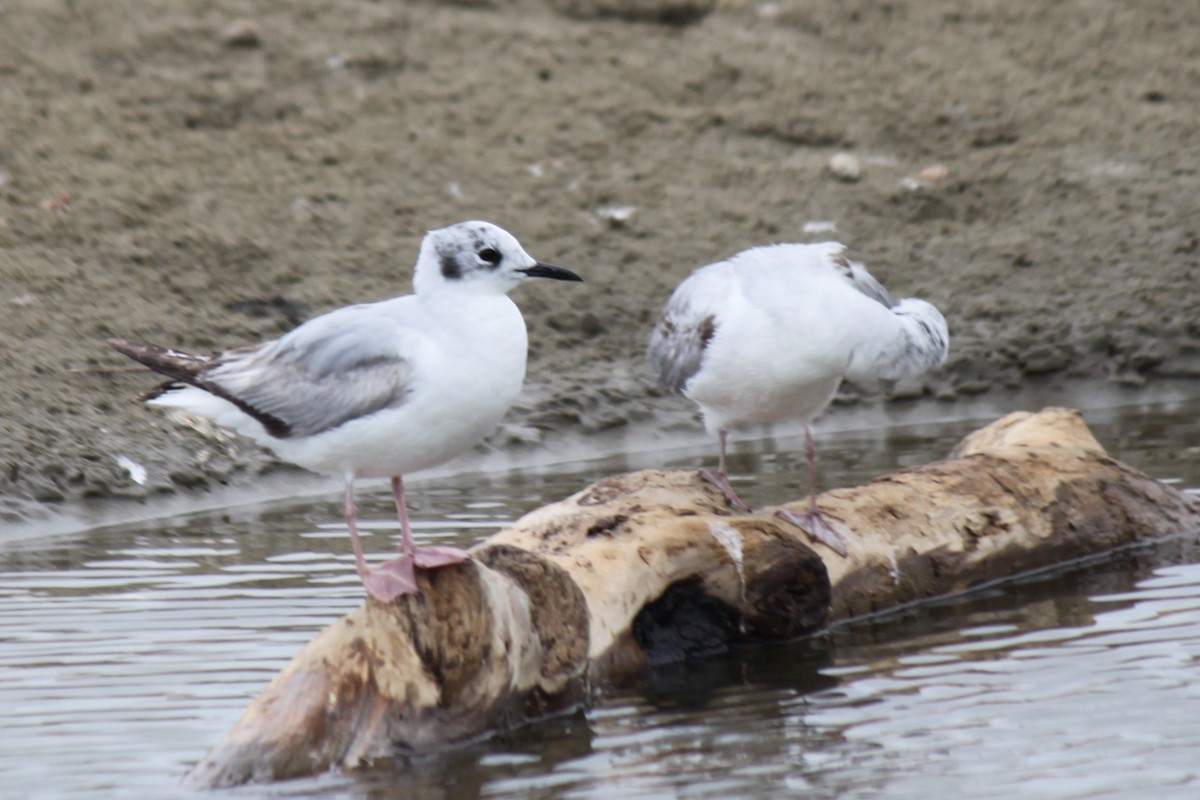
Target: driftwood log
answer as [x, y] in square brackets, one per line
[651, 567]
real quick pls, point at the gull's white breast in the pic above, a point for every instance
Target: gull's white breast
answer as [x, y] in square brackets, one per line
[466, 373]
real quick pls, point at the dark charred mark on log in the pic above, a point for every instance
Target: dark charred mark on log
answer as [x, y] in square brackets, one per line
[606, 526]
[789, 598]
[685, 623]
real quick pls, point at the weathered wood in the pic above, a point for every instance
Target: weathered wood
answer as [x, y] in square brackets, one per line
[626, 539]
[503, 635]
[1026, 491]
[650, 567]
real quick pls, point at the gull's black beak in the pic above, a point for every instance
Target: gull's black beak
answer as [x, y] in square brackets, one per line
[540, 270]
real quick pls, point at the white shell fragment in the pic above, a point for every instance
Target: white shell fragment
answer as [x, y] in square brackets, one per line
[137, 473]
[845, 167]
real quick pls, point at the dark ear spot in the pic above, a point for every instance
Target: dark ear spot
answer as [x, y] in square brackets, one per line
[451, 270]
[708, 327]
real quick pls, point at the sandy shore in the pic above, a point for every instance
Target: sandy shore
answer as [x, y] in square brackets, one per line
[169, 174]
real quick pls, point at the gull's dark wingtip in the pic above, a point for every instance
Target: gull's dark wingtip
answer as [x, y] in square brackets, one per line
[128, 347]
[149, 354]
[175, 364]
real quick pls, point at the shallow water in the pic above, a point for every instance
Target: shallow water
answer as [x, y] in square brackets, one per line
[125, 652]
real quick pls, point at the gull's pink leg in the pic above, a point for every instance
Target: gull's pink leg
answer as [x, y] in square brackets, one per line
[812, 521]
[396, 577]
[428, 556]
[383, 584]
[721, 479]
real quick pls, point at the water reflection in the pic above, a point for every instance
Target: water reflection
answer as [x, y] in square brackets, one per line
[1064, 694]
[126, 651]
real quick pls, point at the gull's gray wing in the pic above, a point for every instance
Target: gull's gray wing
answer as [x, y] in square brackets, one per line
[858, 277]
[338, 367]
[344, 365]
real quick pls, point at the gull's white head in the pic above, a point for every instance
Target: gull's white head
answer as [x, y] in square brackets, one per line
[478, 257]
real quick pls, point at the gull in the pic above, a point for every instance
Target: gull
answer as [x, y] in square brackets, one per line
[770, 333]
[378, 390]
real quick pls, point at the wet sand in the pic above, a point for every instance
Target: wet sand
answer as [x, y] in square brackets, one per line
[169, 175]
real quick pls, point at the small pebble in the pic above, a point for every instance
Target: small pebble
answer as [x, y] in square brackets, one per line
[241, 33]
[845, 167]
[57, 204]
[616, 216]
[935, 173]
[930, 176]
[819, 226]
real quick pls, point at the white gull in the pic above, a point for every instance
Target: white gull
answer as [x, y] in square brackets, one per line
[770, 334]
[378, 390]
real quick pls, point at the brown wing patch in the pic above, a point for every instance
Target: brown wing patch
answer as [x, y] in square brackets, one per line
[677, 348]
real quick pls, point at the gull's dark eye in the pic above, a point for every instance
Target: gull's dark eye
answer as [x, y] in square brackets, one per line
[489, 255]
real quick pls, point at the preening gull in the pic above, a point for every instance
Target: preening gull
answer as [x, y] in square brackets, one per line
[770, 334]
[378, 390]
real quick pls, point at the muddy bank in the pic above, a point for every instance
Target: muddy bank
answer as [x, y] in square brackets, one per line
[166, 176]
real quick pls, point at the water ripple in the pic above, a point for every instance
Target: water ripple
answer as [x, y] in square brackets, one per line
[125, 652]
